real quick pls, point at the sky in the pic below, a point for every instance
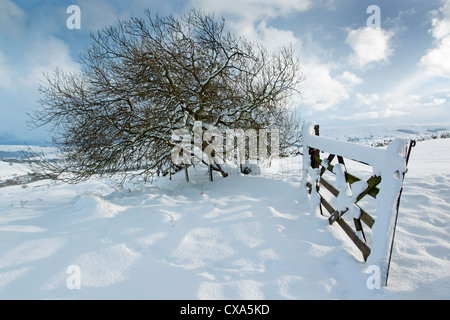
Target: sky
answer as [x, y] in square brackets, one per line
[363, 62]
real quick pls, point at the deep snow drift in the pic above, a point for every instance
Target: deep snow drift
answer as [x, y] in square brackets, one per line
[242, 237]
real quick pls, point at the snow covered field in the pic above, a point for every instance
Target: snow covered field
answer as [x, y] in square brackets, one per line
[242, 237]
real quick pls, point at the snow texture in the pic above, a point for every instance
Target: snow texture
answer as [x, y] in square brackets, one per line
[242, 237]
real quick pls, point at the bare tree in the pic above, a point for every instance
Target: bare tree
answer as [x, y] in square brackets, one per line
[146, 77]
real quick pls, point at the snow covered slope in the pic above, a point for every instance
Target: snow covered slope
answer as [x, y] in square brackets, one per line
[242, 237]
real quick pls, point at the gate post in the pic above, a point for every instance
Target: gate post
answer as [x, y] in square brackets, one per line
[315, 152]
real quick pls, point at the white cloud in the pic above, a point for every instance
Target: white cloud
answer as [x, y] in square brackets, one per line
[435, 102]
[436, 61]
[251, 10]
[387, 105]
[374, 112]
[5, 72]
[349, 79]
[272, 38]
[369, 45]
[98, 14]
[323, 91]
[249, 18]
[11, 17]
[45, 54]
[424, 83]
[380, 114]
[33, 49]
[368, 99]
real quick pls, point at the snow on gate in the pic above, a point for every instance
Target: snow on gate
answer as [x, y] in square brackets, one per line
[385, 185]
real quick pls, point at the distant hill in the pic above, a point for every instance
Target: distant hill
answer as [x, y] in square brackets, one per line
[379, 135]
[19, 153]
